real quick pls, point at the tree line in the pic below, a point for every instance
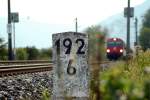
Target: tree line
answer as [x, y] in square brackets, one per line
[32, 53]
[145, 31]
[26, 53]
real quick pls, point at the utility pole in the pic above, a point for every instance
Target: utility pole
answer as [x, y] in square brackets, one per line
[76, 25]
[136, 31]
[14, 19]
[128, 27]
[136, 36]
[14, 49]
[9, 30]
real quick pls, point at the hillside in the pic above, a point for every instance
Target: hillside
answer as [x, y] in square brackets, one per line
[117, 23]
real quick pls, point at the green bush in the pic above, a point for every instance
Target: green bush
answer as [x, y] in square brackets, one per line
[127, 80]
[46, 95]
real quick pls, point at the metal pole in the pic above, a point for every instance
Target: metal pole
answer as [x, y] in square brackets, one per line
[136, 35]
[136, 31]
[10, 53]
[128, 28]
[14, 41]
[76, 26]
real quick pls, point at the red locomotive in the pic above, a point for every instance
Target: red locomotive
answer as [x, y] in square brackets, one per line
[115, 48]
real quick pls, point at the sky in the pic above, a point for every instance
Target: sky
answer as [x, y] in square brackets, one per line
[62, 13]
[65, 11]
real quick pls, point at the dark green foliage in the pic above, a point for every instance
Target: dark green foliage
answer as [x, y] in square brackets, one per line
[46, 54]
[96, 41]
[127, 81]
[147, 90]
[21, 54]
[146, 22]
[3, 50]
[145, 32]
[96, 53]
[32, 52]
[28, 53]
[145, 38]
[117, 87]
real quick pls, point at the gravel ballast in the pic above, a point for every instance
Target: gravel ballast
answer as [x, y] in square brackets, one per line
[25, 87]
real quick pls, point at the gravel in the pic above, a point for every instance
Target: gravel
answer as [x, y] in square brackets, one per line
[25, 87]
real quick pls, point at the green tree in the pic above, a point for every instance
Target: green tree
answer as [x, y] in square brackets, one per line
[3, 50]
[145, 31]
[146, 22]
[145, 38]
[97, 36]
[33, 53]
[21, 54]
[46, 54]
[96, 53]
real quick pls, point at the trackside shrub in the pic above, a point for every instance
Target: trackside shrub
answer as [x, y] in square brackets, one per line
[127, 81]
[46, 95]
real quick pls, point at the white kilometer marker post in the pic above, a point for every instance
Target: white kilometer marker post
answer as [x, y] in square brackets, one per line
[71, 70]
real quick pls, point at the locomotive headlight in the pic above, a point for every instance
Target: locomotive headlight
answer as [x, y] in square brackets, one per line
[108, 50]
[114, 39]
[121, 50]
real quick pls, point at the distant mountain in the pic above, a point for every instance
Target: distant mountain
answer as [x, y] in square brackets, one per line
[117, 23]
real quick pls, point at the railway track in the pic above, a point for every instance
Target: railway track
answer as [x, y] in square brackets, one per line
[102, 65]
[10, 68]
[20, 62]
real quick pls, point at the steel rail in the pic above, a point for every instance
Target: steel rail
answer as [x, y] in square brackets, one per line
[24, 62]
[10, 70]
[39, 61]
[25, 65]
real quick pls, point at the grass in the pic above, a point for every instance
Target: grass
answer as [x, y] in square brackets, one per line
[127, 80]
[123, 81]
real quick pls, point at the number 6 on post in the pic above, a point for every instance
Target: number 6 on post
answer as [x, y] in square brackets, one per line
[70, 68]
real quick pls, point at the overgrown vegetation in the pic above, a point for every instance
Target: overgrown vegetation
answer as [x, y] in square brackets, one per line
[46, 95]
[28, 53]
[127, 80]
[122, 81]
[3, 51]
[145, 31]
[97, 36]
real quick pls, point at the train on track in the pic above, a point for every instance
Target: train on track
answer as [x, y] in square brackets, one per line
[115, 48]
